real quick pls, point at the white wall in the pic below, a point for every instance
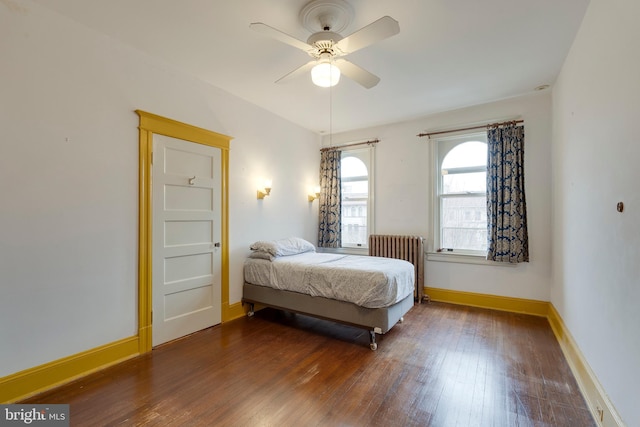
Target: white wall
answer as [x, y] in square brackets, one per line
[69, 180]
[403, 205]
[596, 274]
[68, 187]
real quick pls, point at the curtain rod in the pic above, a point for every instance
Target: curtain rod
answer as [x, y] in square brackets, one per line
[430, 134]
[373, 141]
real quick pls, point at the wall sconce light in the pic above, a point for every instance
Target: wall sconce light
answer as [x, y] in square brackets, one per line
[266, 190]
[316, 194]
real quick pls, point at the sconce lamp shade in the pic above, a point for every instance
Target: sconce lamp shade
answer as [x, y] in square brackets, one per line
[315, 195]
[266, 190]
[325, 74]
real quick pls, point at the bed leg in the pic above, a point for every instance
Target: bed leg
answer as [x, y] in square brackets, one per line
[250, 313]
[372, 336]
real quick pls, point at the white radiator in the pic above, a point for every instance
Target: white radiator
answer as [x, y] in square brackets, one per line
[408, 248]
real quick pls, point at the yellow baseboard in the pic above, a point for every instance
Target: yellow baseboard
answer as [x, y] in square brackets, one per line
[40, 378]
[35, 380]
[601, 407]
[32, 381]
[235, 311]
[495, 302]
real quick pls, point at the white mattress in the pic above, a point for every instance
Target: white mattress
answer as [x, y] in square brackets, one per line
[367, 281]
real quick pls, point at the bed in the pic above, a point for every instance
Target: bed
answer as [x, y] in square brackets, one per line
[368, 292]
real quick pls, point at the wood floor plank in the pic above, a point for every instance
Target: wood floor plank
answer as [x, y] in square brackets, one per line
[445, 365]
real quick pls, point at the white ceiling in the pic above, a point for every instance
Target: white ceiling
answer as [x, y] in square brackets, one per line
[449, 53]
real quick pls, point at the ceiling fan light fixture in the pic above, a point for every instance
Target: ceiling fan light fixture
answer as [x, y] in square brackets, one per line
[325, 74]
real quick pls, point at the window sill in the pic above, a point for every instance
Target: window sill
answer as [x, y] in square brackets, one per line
[465, 259]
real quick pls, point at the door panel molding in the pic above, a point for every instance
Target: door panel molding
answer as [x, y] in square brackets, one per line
[151, 124]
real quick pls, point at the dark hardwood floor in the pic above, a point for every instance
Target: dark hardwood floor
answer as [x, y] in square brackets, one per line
[446, 365]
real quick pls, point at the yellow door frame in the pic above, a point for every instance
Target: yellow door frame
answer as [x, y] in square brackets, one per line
[151, 124]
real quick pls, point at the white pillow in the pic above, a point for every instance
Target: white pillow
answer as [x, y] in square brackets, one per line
[284, 247]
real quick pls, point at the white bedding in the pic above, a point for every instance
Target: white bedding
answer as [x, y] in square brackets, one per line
[367, 281]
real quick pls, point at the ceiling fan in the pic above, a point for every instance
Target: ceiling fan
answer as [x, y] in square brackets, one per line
[325, 19]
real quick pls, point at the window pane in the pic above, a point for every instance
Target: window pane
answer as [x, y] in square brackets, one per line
[464, 222]
[354, 220]
[354, 212]
[352, 166]
[355, 189]
[464, 182]
[355, 175]
[468, 154]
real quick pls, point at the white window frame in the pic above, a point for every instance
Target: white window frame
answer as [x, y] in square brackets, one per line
[367, 156]
[440, 148]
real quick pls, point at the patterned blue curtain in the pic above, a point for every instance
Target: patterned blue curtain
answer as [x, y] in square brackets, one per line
[329, 234]
[508, 240]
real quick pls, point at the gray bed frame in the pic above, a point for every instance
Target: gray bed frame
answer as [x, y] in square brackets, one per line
[375, 320]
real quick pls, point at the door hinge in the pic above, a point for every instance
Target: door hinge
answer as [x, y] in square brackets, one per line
[152, 317]
[152, 157]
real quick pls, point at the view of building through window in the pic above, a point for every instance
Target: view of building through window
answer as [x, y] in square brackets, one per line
[463, 211]
[355, 195]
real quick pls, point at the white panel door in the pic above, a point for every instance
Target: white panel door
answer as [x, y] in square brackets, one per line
[186, 182]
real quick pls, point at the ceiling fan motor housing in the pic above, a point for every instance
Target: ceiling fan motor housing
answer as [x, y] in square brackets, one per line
[324, 42]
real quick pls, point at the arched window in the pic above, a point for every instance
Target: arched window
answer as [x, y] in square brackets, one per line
[461, 217]
[356, 203]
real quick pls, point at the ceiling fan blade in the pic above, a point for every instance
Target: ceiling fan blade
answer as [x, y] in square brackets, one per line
[378, 30]
[357, 74]
[298, 71]
[280, 36]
